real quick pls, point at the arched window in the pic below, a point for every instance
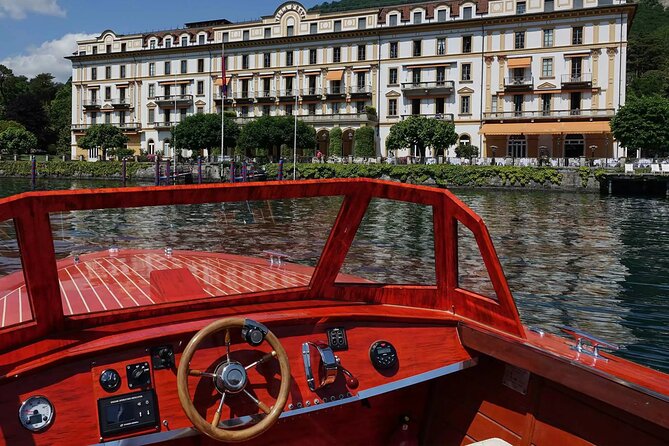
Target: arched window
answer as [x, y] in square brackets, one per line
[465, 139]
[517, 146]
[151, 147]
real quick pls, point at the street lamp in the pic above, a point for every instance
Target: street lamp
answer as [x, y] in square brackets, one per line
[592, 154]
[494, 150]
[542, 154]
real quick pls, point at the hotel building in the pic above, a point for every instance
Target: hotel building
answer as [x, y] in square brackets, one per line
[517, 77]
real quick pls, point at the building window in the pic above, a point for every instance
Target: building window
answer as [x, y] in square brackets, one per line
[289, 86]
[152, 69]
[466, 72]
[548, 38]
[108, 73]
[246, 36]
[266, 60]
[546, 104]
[392, 20]
[184, 41]
[152, 116]
[362, 52]
[417, 17]
[122, 71]
[266, 110]
[518, 104]
[121, 117]
[465, 102]
[184, 89]
[576, 68]
[312, 109]
[168, 68]
[183, 114]
[441, 15]
[168, 43]
[466, 44]
[200, 87]
[416, 75]
[336, 54]
[441, 46]
[167, 115]
[392, 76]
[123, 47]
[200, 65]
[94, 96]
[107, 93]
[200, 39]
[184, 66]
[467, 12]
[152, 45]
[520, 8]
[313, 28]
[313, 57]
[94, 118]
[337, 26]
[517, 146]
[577, 35]
[268, 33]
[200, 110]
[417, 48]
[362, 23]
[167, 90]
[152, 90]
[289, 109]
[547, 67]
[107, 118]
[289, 58]
[393, 50]
[440, 107]
[549, 5]
[266, 86]
[392, 107]
[245, 61]
[441, 75]
[226, 37]
[519, 40]
[245, 110]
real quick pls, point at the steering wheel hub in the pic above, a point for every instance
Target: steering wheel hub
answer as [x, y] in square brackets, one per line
[230, 377]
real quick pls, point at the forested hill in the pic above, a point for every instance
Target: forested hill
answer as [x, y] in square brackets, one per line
[346, 5]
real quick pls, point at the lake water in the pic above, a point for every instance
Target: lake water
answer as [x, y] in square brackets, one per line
[595, 262]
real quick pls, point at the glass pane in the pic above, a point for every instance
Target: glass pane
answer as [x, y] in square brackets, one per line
[394, 245]
[119, 258]
[472, 273]
[14, 303]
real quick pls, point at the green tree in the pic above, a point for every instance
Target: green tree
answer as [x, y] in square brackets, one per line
[105, 137]
[60, 118]
[203, 131]
[4, 125]
[643, 123]
[15, 141]
[466, 151]
[10, 87]
[650, 83]
[267, 134]
[422, 133]
[364, 142]
[335, 142]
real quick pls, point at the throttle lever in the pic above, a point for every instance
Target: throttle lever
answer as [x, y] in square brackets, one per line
[351, 381]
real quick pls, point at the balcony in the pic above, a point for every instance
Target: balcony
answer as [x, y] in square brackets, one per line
[288, 95]
[92, 104]
[438, 88]
[180, 100]
[162, 125]
[129, 126]
[266, 96]
[327, 119]
[361, 91]
[518, 83]
[311, 93]
[120, 103]
[440, 116]
[576, 81]
[336, 92]
[554, 115]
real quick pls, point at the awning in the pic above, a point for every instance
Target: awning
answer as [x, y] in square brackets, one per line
[546, 128]
[288, 74]
[519, 62]
[219, 80]
[335, 75]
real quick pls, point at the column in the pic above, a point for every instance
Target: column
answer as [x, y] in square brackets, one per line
[612, 75]
[595, 78]
[488, 80]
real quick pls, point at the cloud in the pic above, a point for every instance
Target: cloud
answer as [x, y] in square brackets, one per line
[47, 58]
[18, 9]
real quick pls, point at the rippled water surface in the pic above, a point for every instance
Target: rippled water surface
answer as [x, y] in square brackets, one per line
[597, 263]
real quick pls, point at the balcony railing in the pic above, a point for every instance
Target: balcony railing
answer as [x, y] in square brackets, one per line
[361, 90]
[163, 125]
[288, 93]
[179, 99]
[428, 88]
[333, 118]
[311, 91]
[518, 83]
[336, 91]
[441, 116]
[126, 127]
[265, 95]
[577, 80]
[92, 103]
[122, 102]
[549, 114]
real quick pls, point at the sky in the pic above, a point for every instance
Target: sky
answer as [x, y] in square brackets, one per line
[36, 35]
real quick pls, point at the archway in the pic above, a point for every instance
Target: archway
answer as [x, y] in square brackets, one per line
[323, 138]
[347, 142]
[574, 146]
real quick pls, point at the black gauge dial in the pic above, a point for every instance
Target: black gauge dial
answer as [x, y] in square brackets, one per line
[383, 355]
[110, 380]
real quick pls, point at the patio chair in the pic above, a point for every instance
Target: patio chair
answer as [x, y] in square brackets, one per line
[665, 168]
[655, 169]
[629, 168]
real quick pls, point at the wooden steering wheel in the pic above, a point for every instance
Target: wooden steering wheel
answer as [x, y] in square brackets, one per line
[230, 378]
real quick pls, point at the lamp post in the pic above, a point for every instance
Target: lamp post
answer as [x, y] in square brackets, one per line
[494, 151]
[542, 155]
[592, 154]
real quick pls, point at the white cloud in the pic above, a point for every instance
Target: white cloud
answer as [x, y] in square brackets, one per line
[47, 58]
[18, 9]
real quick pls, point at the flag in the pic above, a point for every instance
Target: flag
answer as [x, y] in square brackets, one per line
[224, 84]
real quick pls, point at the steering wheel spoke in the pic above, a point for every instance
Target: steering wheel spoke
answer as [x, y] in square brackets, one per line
[217, 415]
[264, 407]
[265, 358]
[200, 373]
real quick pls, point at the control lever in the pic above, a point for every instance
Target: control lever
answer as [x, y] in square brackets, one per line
[351, 381]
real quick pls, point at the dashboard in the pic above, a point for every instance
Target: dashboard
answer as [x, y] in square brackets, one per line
[123, 393]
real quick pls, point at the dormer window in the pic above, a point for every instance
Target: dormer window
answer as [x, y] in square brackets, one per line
[200, 39]
[290, 30]
[168, 43]
[441, 15]
[467, 12]
[152, 44]
[520, 8]
[417, 17]
[184, 41]
[392, 20]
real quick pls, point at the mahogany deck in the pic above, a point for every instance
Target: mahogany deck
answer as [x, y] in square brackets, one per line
[109, 281]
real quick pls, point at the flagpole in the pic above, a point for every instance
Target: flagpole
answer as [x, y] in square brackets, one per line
[223, 91]
[297, 94]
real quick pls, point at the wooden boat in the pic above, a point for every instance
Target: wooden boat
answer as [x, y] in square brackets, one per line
[136, 346]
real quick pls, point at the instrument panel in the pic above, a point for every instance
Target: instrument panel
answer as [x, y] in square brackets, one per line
[133, 392]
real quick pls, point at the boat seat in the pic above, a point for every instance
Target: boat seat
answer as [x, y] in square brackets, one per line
[491, 442]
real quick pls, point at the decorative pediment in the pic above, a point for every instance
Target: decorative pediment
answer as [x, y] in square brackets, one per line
[546, 86]
[393, 94]
[465, 90]
[107, 107]
[151, 105]
[200, 103]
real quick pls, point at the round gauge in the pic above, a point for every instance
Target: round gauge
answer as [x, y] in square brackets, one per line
[110, 380]
[36, 413]
[383, 355]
